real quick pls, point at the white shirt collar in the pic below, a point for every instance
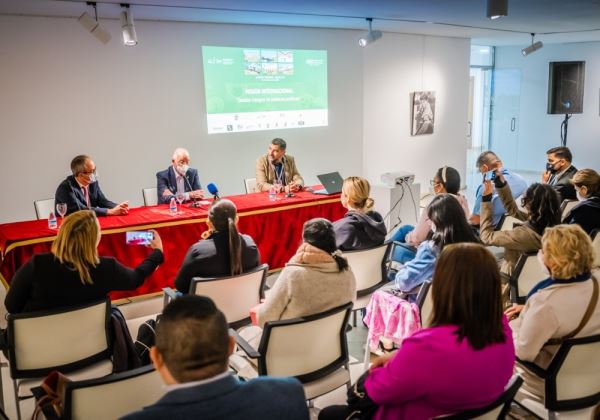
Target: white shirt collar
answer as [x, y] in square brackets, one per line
[174, 387]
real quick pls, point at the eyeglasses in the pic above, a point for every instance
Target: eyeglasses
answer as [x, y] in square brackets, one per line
[88, 173]
[433, 183]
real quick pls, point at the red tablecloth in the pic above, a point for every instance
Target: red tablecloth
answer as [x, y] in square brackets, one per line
[275, 226]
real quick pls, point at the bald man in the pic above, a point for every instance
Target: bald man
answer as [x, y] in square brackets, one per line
[178, 177]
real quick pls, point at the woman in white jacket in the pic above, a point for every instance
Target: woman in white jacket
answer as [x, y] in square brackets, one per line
[316, 279]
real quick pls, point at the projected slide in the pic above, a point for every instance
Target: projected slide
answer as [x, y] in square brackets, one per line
[249, 89]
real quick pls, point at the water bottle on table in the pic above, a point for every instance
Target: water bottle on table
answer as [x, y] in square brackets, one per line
[52, 222]
[272, 193]
[173, 206]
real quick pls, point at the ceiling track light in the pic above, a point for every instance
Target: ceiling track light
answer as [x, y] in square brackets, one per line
[127, 26]
[497, 8]
[92, 25]
[371, 36]
[533, 47]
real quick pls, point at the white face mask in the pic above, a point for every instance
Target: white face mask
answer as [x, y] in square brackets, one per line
[182, 169]
[92, 178]
[540, 257]
[433, 228]
[581, 197]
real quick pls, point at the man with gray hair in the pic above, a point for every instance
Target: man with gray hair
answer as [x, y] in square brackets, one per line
[487, 162]
[277, 168]
[178, 178]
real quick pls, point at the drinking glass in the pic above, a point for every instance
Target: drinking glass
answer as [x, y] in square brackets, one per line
[61, 209]
[180, 197]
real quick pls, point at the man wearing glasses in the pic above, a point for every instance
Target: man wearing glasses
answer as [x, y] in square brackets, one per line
[487, 162]
[81, 191]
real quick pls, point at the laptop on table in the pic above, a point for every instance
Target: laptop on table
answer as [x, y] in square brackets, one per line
[332, 183]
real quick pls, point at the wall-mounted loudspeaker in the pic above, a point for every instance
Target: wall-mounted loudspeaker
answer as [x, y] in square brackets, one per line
[565, 87]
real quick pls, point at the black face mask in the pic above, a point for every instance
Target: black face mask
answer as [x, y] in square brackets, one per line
[550, 168]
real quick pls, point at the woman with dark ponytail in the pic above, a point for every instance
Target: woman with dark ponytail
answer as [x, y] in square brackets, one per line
[223, 250]
[316, 279]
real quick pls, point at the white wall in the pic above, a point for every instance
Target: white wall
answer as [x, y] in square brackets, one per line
[539, 131]
[394, 67]
[64, 93]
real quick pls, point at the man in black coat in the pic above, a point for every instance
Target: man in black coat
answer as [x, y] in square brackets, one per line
[560, 171]
[178, 177]
[81, 191]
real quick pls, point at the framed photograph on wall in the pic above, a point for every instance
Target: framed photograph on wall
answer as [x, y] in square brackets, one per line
[423, 113]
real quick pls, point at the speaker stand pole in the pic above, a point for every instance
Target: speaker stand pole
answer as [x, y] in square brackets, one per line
[563, 130]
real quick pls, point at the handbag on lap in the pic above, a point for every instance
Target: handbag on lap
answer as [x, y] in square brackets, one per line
[360, 404]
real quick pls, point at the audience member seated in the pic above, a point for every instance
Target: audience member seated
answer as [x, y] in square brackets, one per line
[462, 361]
[178, 178]
[81, 191]
[556, 306]
[448, 225]
[488, 162]
[587, 213]
[361, 227]
[559, 172]
[316, 279]
[445, 181]
[543, 210]
[191, 355]
[73, 273]
[221, 252]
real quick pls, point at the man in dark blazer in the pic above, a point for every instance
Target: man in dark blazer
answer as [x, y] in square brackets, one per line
[560, 171]
[178, 177]
[81, 191]
[191, 355]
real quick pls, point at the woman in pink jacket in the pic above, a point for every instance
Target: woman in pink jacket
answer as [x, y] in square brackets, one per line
[463, 361]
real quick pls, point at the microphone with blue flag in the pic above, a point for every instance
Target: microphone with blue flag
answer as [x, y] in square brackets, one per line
[212, 188]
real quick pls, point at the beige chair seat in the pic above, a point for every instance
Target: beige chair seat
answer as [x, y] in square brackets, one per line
[320, 387]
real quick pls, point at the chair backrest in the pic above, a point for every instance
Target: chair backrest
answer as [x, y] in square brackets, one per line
[368, 266]
[308, 348]
[495, 410]
[508, 223]
[526, 275]
[566, 206]
[63, 339]
[250, 185]
[113, 396]
[574, 375]
[43, 208]
[425, 304]
[596, 244]
[150, 196]
[233, 295]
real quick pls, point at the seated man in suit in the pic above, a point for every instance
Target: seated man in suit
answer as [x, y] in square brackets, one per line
[559, 172]
[178, 177]
[487, 162]
[191, 355]
[277, 168]
[81, 191]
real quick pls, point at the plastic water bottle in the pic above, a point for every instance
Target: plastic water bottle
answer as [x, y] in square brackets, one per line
[52, 223]
[173, 206]
[272, 193]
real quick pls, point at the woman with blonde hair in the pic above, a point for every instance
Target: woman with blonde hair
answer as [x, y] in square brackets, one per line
[73, 273]
[587, 213]
[361, 227]
[562, 306]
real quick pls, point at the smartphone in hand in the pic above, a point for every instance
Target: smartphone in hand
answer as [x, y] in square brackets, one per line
[138, 237]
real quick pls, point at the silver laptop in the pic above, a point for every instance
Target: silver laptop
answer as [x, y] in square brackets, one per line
[331, 182]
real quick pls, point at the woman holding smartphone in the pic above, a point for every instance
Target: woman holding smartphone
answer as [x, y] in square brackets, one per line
[73, 273]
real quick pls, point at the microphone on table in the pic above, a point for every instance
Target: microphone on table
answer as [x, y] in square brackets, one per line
[212, 188]
[194, 203]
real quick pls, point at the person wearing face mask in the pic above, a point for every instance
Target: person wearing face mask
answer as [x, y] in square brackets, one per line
[587, 213]
[448, 226]
[560, 171]
[487, 162]
[81, 191]
[73, 273]
[178, 177]
[445, 181]
[562, 306]
[278, 168]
